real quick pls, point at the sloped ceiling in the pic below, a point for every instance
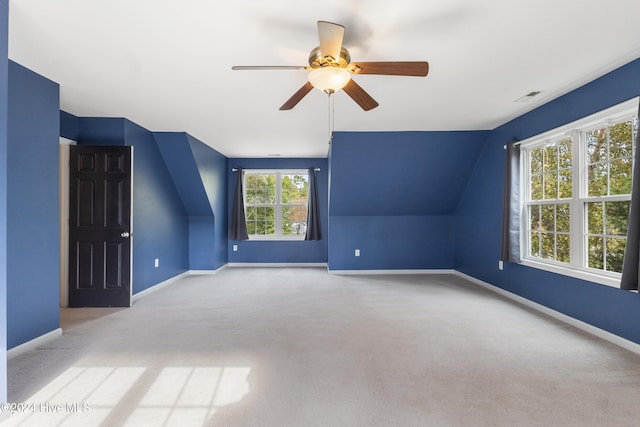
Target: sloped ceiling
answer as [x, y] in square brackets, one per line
[166, 64]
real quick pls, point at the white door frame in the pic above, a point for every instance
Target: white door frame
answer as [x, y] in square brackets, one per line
[64, 220]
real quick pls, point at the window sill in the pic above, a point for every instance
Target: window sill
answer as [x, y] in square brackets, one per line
[276, 239]
[602, 279]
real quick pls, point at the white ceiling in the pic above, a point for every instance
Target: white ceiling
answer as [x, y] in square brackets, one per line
[166, 64]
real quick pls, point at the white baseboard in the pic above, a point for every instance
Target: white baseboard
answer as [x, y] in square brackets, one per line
[34, 343]
[207, 272]
[174, 279]
[380, 272]
[160, 285]
[590, 329]
[277, 264]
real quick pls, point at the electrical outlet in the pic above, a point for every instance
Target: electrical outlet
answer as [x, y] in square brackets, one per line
[156, 263]
[235, 248]
[357, 252]
[500, 265]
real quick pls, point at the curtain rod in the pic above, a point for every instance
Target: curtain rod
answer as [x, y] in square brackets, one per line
[515, 144]
[236, 169]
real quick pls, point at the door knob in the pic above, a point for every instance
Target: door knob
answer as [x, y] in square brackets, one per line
[124, 234]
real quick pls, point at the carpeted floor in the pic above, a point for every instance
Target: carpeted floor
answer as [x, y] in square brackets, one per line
[300, 347]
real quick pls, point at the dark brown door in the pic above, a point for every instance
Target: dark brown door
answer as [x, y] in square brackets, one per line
[100, 226]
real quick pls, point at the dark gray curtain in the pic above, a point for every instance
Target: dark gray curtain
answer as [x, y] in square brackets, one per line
[313, 211]
[510, 244]
[238, 229]
[631, 263]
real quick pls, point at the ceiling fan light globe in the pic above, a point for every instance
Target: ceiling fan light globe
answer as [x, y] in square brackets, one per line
[329, 79]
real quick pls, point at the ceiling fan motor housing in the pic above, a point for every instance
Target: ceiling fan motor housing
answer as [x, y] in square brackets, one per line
[316, 60]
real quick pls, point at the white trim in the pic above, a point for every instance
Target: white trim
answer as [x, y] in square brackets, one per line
[63, 154]
[206, 272]
[391, 271]
[277, 264]
[34, 343]
[284, 171]
[583, 326]
[157, 286]
[620, 111]
[174, 279]
[131, 230]
[277, 205]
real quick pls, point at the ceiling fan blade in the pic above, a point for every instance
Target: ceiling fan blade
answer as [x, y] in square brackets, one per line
[400, 68]
[268, 67]
[291, 102]
[362, 98]
[330, 36]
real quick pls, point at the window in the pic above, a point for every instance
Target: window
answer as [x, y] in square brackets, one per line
[276, 203]
[576, 195]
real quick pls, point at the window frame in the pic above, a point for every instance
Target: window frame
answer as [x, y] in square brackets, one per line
[278, 205]
[577, 131]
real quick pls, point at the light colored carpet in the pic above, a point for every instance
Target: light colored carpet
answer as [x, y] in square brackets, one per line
[300, 347]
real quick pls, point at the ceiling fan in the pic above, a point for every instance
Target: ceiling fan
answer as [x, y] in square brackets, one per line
[331, 69]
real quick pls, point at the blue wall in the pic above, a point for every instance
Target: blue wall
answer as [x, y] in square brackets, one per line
[252, 251]
[69, 126]
[213, 170]
[160, 225]
[33, 257]
[478, 215]
[393, 196]
[4, 85]
[200, 175]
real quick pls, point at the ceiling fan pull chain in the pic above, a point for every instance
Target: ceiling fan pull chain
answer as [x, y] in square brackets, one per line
[331, 115]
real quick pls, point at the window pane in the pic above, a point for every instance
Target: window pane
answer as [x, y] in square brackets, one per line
[536, 187]
[260, 188]
[294, 189]
[548, 246]
[251, 213]
[265, 228]
[550, 158]
[620, 137]
[534, 247]
[252, 196]
[621, 173]
[615, 254]
[294, 220]
[597, 179]
[617, 216]
[551, 185]
[534, 214]
[595, 218]
[260, 220]
[563, 248]
[548, 218]
[565, 184]
[536, 160]
[596, 253]
[563, 218]
[564, 152]
[597, 145]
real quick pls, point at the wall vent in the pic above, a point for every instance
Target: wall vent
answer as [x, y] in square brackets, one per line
[528, 96]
